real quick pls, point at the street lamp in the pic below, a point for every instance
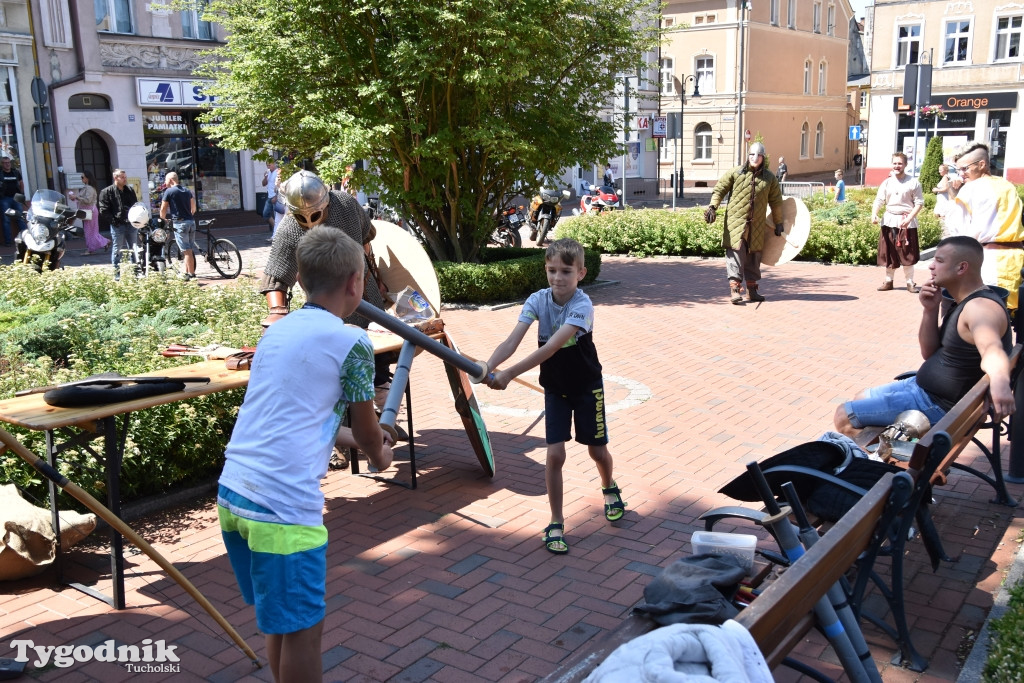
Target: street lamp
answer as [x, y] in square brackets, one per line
[679, 144]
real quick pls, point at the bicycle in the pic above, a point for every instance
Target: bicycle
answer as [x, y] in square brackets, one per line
[220, 253]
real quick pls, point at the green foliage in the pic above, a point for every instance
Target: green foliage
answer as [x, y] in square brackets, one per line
[1006, 649]
[74, 323]
[453, 103]
[504, 275]
[929, 176]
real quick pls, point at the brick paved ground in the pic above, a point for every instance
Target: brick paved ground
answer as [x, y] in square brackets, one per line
[451, 583]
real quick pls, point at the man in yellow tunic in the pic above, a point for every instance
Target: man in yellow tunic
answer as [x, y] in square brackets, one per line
[988, 209]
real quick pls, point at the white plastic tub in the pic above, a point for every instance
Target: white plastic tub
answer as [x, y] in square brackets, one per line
[739, 545]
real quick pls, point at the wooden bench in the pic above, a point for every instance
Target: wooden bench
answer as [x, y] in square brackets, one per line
[781, 615]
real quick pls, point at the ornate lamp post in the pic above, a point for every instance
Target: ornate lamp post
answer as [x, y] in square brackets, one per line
[682, 105]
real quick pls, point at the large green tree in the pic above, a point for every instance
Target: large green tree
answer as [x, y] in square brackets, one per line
[456, 103]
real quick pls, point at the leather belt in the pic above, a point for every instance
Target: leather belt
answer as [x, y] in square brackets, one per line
[1004, 245]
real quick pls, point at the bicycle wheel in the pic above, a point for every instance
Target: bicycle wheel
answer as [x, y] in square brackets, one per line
[224, 257]
[174, 259]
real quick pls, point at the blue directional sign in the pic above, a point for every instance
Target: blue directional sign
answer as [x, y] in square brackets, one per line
[855, 132]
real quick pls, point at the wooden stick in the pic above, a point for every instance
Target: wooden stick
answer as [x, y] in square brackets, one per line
[113, 520]
[517, 380]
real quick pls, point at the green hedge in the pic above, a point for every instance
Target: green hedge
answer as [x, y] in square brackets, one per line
[840, 233]
[66, 325]
[1005, 660]
[503, 275]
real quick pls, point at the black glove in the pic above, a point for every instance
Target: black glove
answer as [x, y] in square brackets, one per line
[710, 215]
[779, 229]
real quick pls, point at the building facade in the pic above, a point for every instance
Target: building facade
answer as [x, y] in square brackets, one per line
[974, 50]
[774, 71]
[122, 95]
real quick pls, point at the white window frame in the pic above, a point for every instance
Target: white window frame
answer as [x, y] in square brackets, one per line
[807, 77]
[831, 25]
[791, 14]
[1007, 35]
[704, 69]
[863, 99]
[112, 13]
[668, 76]
[816, 24]
[194, 17]
[774, 10]
[959, 35]
[822, 75]
[805, 133]
[899, 59]
[702, 139]
[819, 140]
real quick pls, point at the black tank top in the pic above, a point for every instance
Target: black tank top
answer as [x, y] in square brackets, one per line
[955, 367]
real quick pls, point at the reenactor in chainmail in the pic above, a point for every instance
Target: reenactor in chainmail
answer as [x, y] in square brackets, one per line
[308, 203]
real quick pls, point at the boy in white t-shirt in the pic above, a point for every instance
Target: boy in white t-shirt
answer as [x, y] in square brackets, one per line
[309, 369]
[570, 373]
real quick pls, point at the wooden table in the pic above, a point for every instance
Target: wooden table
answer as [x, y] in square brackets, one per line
[78, 427]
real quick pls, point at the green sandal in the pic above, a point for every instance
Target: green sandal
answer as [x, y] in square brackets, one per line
[613, 512]
[555, 544]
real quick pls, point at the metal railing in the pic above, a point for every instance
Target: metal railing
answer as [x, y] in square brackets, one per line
[802, 189]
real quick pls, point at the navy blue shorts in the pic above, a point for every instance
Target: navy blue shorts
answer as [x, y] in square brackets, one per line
[585, 409]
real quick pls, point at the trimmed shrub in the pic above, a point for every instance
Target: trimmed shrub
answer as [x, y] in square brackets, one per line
[504, 275]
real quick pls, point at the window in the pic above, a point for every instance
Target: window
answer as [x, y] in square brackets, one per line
[807, 77]
[791, 13]
[863, 99]
[908, 46]
[1008, 30]
[668, 86]
[817, 17]
[831, 20]
[706, 75]
[804, 133]
[193, 26]
[821, 77]
[958, 41]
[702, 142]
[88, 101]
[819, 140]
[113, 15]
[668, 22]
[775, 12]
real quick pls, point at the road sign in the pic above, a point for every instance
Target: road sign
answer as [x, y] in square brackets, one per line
[747, 135]
[855, 132]
[39, 94]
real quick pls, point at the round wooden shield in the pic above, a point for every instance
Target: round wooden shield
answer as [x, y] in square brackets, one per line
[784, 248]
[403, 262]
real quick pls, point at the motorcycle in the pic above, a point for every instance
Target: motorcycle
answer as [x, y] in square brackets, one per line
[41, 244]
[603, 198]
[545, 209]
[506, 234]
[155, 236]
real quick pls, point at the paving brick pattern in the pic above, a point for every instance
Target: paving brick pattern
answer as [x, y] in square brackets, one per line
[450, 582]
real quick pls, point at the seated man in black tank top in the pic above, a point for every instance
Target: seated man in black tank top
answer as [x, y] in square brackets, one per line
[973, 340]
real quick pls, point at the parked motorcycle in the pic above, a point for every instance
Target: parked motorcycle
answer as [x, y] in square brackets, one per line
[545, 209]
[42, 243]
[603, 198]
[154, 237]
[506, 234]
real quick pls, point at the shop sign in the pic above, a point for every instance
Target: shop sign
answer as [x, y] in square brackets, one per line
[966, 101]
[171, 92]
[660, 126]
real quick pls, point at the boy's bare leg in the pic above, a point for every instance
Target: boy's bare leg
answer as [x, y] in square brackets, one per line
[553, 480]
[602, 457]
[295, 657]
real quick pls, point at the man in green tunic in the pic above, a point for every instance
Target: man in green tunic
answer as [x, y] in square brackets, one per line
[751, 189]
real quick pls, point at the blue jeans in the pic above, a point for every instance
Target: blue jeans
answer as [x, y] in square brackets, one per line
[123, 236]
[185, 235]
[884, 403]
[9, 233]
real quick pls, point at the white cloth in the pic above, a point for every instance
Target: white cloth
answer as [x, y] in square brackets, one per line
[695, 653]
[272, 183]
[308, 367]
[899, 197]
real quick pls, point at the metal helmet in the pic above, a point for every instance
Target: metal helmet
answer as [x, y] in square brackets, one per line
[909, 426]
[139, 215]
[306, 197]
[756, 148]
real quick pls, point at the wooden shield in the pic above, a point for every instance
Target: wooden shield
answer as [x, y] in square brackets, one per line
[403, 262]
[784, 248]
[469, 410]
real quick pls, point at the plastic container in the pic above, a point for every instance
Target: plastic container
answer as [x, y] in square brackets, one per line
[739, 545]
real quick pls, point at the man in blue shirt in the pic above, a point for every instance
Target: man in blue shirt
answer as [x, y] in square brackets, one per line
[182, 206]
